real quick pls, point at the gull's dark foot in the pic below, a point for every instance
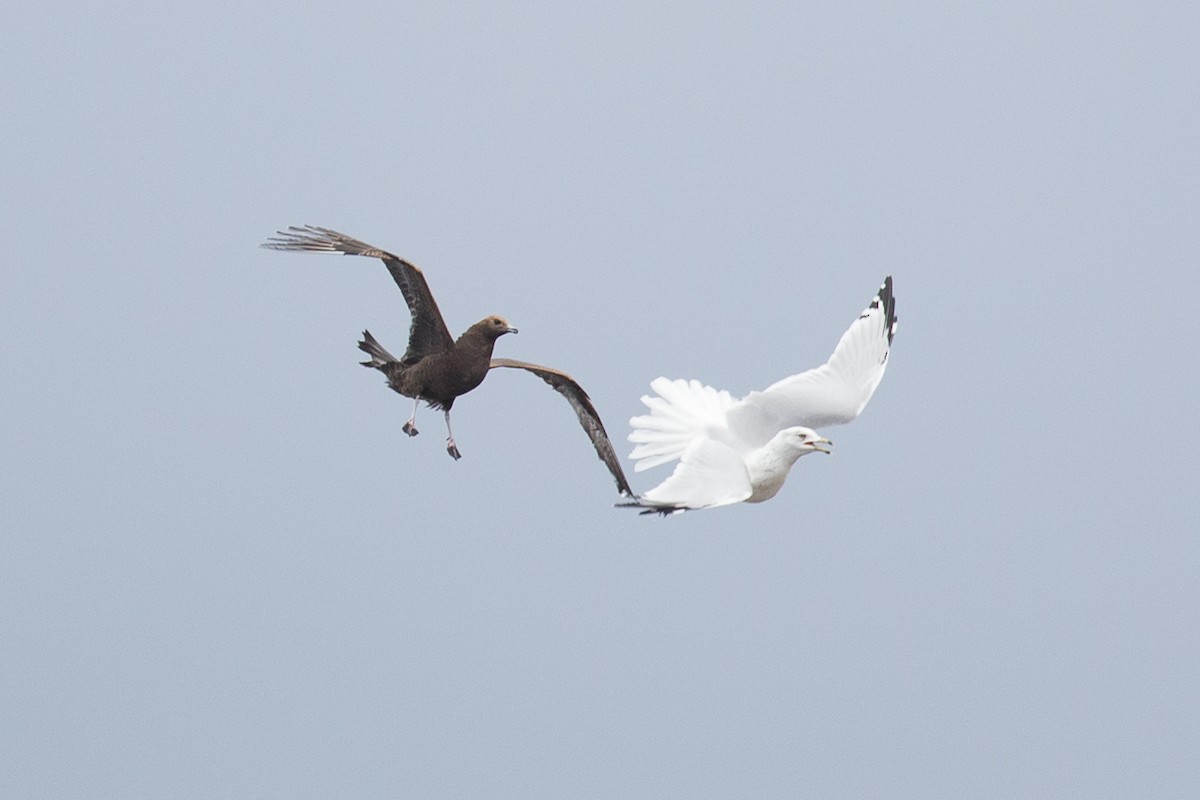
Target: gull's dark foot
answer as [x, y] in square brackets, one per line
[452, 449]
[410, 429]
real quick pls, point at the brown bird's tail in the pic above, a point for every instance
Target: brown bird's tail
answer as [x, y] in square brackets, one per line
[380, 357]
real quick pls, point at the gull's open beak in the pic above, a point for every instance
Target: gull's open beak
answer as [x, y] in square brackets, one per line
[817, 445]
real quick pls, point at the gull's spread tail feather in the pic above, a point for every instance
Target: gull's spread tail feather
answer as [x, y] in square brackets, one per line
[681, 411]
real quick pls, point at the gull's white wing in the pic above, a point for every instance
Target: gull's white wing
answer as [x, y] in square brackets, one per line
[682, 412]
[832, 394]
[708, 474]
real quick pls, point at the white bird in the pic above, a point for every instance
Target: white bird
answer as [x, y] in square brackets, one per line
[734, 451]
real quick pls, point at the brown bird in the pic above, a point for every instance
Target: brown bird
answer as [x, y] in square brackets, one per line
[435, 367]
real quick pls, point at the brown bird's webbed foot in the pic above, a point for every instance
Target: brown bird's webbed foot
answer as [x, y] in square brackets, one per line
[410, 427]
[451, 447]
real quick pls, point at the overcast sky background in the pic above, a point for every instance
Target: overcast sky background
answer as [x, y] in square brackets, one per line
[226, 572]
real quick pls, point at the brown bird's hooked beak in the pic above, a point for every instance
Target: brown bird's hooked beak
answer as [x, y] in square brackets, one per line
[817, 446]
[511, 329]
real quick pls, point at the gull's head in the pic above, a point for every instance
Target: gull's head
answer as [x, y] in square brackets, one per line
[804, 440]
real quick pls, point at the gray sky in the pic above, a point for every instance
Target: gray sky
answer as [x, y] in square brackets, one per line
[226, 572]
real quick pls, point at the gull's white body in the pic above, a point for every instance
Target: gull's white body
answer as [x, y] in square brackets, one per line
[733, 451]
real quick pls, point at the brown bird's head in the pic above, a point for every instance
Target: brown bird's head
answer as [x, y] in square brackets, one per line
[493, 327]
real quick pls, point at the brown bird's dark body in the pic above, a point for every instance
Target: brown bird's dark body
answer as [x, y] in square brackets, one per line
[438, 378]
[435, 367]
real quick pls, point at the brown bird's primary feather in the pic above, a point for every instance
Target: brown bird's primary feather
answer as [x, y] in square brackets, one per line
[436, 367]
[428, 332]
[589, 418]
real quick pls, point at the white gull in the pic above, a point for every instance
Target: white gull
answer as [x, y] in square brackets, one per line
[733, 451]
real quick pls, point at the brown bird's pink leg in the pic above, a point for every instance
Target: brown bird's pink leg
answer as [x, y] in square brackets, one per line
[451, 447]
[409, 427]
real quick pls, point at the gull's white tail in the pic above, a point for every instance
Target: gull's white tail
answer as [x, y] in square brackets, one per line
[682, 411]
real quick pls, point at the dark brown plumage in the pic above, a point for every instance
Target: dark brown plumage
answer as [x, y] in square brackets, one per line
[435, 367]
[589, 418]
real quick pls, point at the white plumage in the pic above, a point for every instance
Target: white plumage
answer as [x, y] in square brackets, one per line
[733, 451]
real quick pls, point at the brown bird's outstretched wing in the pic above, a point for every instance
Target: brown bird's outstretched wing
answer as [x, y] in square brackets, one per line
[428, 332]
[565, 385]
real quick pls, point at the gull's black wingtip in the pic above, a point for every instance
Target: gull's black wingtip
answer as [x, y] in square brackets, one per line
[651, 508]
[887, 301]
